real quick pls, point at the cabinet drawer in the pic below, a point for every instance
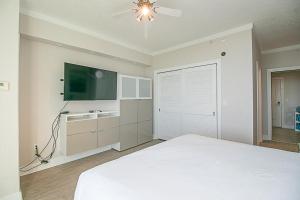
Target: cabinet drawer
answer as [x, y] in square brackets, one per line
[128, 136]
[145, 110]
[84, 126]
[145, 131]
[107, 123]
[108, 137]
[81, 142]
[128, 111]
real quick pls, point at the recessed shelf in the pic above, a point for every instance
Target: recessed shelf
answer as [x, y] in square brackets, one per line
[88, 116]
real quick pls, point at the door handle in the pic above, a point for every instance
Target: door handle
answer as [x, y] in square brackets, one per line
[278, 102]
[214, 113]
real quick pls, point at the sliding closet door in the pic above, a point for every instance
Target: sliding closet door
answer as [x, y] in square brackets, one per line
[187, 102]
[200, 101]
[169, 104]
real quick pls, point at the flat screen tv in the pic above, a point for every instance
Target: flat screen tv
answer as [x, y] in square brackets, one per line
[87, 83]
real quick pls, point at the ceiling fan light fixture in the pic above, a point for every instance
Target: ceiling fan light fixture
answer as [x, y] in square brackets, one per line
[150, 18]
[139, 19]
[144, 10]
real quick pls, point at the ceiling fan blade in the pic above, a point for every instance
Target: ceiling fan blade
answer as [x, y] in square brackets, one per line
[146, 30]
[116, 14]
[169, 11]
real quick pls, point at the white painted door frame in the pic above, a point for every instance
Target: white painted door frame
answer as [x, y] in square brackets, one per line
[219, 91]
[269, 94]
[259, 103]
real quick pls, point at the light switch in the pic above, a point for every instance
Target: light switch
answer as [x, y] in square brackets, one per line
[4, 85]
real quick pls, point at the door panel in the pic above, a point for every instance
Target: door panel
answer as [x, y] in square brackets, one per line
[276, 103]
[199, 102]
[145, 131]
[128, 136]
[169, 103]
[187, 101]
[128, 110]
[145, 110]
[200, 125]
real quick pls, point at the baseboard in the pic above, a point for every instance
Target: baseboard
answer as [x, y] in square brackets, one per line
[65, 159]
[288, 127]
[266, 137]
[15, 196]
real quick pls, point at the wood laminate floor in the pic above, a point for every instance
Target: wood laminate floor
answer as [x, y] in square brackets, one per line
[58, 183]
[280, 145]
[285, 135]
[283, 139]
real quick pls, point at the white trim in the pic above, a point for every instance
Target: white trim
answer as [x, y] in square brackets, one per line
[288, 127]
[219, 91]
[281, 49]
[269, 95]
[205, 39]
[80, 29]
[15, 196]
[259, 103]
[65, 159]
[98, 35]
[121, 86]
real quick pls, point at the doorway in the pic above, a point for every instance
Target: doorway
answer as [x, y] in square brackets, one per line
[283, 101]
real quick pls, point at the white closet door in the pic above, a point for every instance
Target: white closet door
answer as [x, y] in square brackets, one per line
[169, 104]
[200, 101]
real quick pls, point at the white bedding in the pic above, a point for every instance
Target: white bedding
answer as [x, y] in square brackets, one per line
[192, 167]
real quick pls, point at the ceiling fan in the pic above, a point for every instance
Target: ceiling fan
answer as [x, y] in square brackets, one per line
[146, 10]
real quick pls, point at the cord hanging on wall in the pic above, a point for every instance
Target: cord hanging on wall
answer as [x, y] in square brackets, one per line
[54, 136]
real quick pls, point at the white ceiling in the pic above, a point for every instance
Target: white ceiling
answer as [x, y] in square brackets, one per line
[276, 22]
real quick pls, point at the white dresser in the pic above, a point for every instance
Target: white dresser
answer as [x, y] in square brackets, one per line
[87, 131]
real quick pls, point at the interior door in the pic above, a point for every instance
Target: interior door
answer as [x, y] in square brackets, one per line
[199, 113]
[276, 102]
[187, 102]
[169, 104]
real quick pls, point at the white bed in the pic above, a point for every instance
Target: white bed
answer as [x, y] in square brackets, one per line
[192, 167]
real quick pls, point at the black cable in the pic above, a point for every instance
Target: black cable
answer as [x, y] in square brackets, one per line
[54, 136]
[31, 168]
[55, 132]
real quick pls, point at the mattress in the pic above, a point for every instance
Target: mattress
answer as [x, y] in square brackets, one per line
[193, 167]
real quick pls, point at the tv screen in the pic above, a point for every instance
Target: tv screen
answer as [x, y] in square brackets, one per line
[87, 83]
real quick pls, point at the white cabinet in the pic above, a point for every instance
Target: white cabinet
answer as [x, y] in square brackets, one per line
[108, 131]
[136, 121]
[128, 89]
[144, 88]
[132, 87]
[88, 131]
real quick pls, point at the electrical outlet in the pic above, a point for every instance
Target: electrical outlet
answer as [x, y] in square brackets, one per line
[4, 85]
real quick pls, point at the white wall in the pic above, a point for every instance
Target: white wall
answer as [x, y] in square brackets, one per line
[237, 79]
[9, 127]
[271, 61]
[291, 95]
[41, 67]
